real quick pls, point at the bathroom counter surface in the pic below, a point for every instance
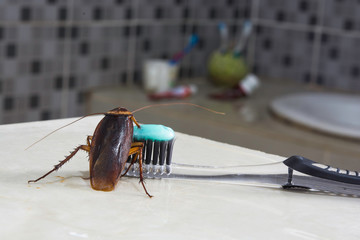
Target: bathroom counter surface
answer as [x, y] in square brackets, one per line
[64, 206]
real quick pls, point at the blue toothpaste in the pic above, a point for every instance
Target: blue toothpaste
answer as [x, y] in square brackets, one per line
[158, 146]
[153, 132]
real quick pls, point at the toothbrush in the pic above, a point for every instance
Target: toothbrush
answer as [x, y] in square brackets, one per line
[239, 48]
[224, 34]
[294, 173]
[193, 40]
[158, 144]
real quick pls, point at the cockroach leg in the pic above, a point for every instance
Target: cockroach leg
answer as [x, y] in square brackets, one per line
[132, 151]
[88, 141]
[57, 166]
[134, 121]
[141, 172]
[137, 148]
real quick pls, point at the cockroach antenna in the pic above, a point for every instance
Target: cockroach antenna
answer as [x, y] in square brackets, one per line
[178, 103]
[92, 114]
[139, 109]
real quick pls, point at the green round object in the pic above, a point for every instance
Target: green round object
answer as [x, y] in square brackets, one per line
[225, 69]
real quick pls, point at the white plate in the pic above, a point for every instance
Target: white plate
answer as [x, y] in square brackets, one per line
[333, 113]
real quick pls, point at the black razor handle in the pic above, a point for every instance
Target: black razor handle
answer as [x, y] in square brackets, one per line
[315, 169]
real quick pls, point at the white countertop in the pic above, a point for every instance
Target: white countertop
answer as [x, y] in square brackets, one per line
[64, 206]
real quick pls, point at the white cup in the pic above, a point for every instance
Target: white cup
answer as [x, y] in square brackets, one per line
[159, 75]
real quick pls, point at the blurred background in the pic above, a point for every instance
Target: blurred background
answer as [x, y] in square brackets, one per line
[66, 58]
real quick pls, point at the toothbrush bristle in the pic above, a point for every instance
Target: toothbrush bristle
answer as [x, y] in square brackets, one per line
[193, 39]
[157, 157]
[162, 153]
[148, 147]
[247, 27]
[169, 152]
[155, 153]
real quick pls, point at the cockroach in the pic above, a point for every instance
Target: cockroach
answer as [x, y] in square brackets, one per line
[109, 148]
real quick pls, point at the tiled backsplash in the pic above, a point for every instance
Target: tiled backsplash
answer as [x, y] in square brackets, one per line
[53, 51]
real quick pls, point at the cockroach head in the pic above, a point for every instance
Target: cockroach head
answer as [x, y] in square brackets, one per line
[119, 111]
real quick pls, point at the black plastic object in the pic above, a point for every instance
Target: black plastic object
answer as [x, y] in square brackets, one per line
[315, 169]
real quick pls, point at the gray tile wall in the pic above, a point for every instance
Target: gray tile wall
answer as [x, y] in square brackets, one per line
[53, 51]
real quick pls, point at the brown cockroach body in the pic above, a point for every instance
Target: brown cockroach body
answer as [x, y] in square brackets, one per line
[109, 148]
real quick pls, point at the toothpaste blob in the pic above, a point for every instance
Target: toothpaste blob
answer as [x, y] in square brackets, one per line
[154, 132]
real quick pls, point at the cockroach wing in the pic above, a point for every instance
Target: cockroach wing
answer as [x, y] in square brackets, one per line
[110, 147]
